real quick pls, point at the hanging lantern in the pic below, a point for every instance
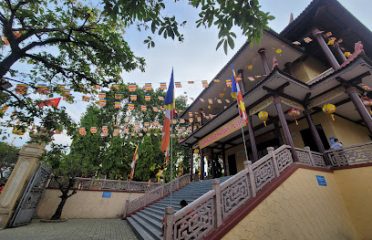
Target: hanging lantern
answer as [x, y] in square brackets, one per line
[5, 40]
[82, 131]
[21, 89]
[147, 98]
[3, 109]
[228, 83]
[130, 107]
[263, 116]
[196, 150]
[331, 41]
[115, 87]
[17, 34]
[347, 54]
[86, 98]
[116, 132]
[329, 109]
[161, 98]
[101, 95]
[97, 87]
[143, 108]
[294, 113]
[178, 84]
[155, 109]
[366, 87]
[93, 130]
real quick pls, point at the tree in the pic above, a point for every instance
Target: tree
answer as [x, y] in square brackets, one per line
[79, 44]
[8, 157]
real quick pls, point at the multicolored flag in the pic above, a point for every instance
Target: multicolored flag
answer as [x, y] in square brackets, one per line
[169, 112]
[134, 162]
[237, 94]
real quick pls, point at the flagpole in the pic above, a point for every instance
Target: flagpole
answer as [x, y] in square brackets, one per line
[245, 147]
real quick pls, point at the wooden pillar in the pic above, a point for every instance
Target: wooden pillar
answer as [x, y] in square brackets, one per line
[314, 132]
[201, 165]
[340, 53]
[224, 160]
[328, 53]
[283, 121]
[252, 140]
[262, 52]
[277, 132]
[361, 108]
[191, 164]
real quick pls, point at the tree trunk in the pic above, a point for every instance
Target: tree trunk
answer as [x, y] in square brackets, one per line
[58, 212]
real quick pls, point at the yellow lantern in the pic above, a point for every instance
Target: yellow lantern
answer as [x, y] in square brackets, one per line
[196, 150]
[329, 109]
[347, 54]
[263, 116]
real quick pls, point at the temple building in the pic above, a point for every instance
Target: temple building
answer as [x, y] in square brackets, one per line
[304, 86]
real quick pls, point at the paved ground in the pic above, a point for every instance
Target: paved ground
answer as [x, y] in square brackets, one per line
[73, 229]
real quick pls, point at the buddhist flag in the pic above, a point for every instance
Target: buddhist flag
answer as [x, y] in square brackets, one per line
[134, 161]
[169, 110]
[237, 94]
[53, 102]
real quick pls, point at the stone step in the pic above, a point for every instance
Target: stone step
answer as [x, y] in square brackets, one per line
[155, 232]
[138, 230]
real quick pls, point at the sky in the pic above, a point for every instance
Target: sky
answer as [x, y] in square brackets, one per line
[196, 57]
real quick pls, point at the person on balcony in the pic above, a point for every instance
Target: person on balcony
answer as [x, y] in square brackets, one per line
[335, 144]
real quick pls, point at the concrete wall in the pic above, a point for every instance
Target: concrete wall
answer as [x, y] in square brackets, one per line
[307, 69]
[299, 209]
[346, 131]
[356, 188]
[84, 204]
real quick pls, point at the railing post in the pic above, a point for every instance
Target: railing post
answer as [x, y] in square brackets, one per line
[125, 212]
[169, 220]
[270, 151]
[217, 191]
[252, 178]
[307, 149]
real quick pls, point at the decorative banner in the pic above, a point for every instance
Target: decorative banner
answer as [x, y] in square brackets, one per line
[146, 124]
[202, 99]
[250, 78]
[21, 89]
[147, 98]
[66, 93]
[155, 109]
[130, 107]
[297, 43]
[118, 96]
[86, 98]
[228, 83]
[161, 98]
[53, 102]
[117, 105]
[347, 54]
[217, 80]
[101, 95]
[227, 100]
[5, 40]
[190, 82]
[163, 86]
[219, 101]
[93, 130]
[116, 132]
[3, 109]
[143, 108]
[97, 87]
[133, 97]
[102, 103]
[82, 131]
[178, 84]
[190, 114]
[204, 83]
[182, 120]
[191, 120]
[148, 86]
[132, 88]
[327, 34]
[174, 121]
[42, 89]
[210, 100]
[221, 132]
[250, 67]
[18, 130]
[331, 41]
[115, 87]
[104, 131]
[221, 95]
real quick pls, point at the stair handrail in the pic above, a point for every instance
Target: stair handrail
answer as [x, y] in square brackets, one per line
[219, 203]
[351, 155]
[155, 194]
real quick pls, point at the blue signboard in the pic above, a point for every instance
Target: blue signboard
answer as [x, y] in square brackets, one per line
[321, 180]
[106, 194]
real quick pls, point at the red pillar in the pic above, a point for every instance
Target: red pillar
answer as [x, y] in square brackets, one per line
[328, 53]
[363, 111]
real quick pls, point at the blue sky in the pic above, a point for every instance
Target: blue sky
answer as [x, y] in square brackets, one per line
[196, 58]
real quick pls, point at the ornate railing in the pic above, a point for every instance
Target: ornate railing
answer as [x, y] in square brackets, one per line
[106, 184]
[207, 213]
[356, 154]
[155, 194]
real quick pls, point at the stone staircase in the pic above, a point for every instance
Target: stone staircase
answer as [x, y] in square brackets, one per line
[147, 223]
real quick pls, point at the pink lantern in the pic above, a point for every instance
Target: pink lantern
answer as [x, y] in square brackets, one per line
[294, 113]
